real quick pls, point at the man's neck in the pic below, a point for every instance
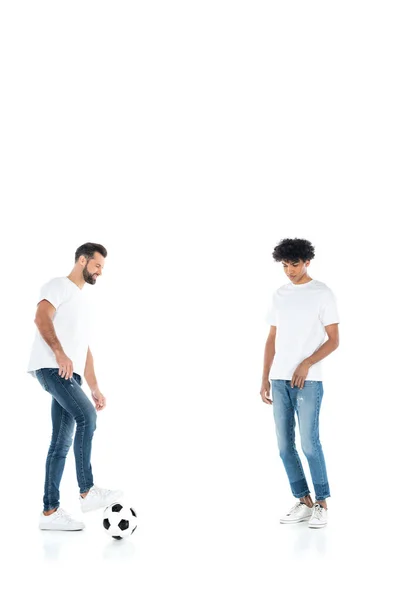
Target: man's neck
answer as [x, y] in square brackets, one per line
[76, 279]
[305, 279]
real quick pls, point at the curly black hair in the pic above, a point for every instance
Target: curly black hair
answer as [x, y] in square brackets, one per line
[89, 249]
[292, 250]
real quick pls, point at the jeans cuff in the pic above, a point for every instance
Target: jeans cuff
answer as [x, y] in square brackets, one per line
[303, 494]
[46, 509]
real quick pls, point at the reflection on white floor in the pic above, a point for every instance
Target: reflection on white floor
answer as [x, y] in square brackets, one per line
[301, 541]
[211, 555]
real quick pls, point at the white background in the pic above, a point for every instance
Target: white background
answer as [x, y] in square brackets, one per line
[189, 138]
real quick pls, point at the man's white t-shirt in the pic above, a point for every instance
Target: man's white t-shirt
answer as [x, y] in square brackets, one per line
[71, 323]
[300, 313]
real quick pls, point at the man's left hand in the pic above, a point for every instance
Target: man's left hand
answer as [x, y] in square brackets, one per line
[98, 399]
[300, 374]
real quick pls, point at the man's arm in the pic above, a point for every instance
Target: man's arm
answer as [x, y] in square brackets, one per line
[327, 347]
[269, 354]
[44, 322]
[323, 351]
[90, 375]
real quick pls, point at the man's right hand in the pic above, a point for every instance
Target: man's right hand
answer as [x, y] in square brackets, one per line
[66, 369]
[265, 392]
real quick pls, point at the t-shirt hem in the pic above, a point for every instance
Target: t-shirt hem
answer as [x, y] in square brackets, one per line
[32, 372]
[286, 378]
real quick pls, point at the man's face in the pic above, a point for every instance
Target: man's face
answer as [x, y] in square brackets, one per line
[93, 268]
[295, 270]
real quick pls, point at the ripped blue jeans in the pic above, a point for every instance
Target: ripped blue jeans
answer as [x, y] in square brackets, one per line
[69, 405]
[306, 403]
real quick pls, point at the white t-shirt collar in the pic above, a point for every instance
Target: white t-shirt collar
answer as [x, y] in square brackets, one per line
[300, 285]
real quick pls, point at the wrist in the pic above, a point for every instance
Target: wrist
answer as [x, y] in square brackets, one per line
[308, 362]
[93, 385]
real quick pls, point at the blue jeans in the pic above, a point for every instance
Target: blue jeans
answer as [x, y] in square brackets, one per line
[70, 405]
[306, 403]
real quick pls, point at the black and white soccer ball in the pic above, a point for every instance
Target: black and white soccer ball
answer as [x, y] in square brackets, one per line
[119, 521]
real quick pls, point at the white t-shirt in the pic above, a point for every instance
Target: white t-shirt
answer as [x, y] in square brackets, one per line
[71, 323]
[300, 313]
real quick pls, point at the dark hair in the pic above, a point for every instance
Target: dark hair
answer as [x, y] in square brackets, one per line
[89, 249]
[293, 250]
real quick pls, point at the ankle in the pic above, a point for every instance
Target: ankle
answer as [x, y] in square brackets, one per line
[84, 494]
[322, 503]
[47, 513]
[307, 501]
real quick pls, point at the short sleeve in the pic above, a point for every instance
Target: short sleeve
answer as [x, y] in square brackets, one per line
[329, 312]
[270, 317]
[53, 291]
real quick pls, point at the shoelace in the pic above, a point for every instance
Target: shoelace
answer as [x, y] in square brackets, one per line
[294, 508]
[317, 514]
[62, 514]
[99, 491]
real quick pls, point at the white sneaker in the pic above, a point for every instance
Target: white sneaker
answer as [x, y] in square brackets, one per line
[60, 520]
[99, 498]
[298, 513]
[319, 517]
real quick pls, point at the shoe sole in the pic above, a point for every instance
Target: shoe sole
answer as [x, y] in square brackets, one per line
[298, 521]
[317, 526]
[58, 528]
[117, 497]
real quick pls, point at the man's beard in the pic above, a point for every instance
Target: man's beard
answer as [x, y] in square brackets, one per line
[88, 277]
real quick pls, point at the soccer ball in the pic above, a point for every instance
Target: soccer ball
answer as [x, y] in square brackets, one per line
[119, 521]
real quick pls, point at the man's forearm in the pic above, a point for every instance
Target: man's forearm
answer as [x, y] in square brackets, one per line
[323, 351]
[90, 375]
[269, 354]
[48, 333]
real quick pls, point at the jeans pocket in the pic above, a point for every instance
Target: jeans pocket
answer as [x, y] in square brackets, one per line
[56, 377]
